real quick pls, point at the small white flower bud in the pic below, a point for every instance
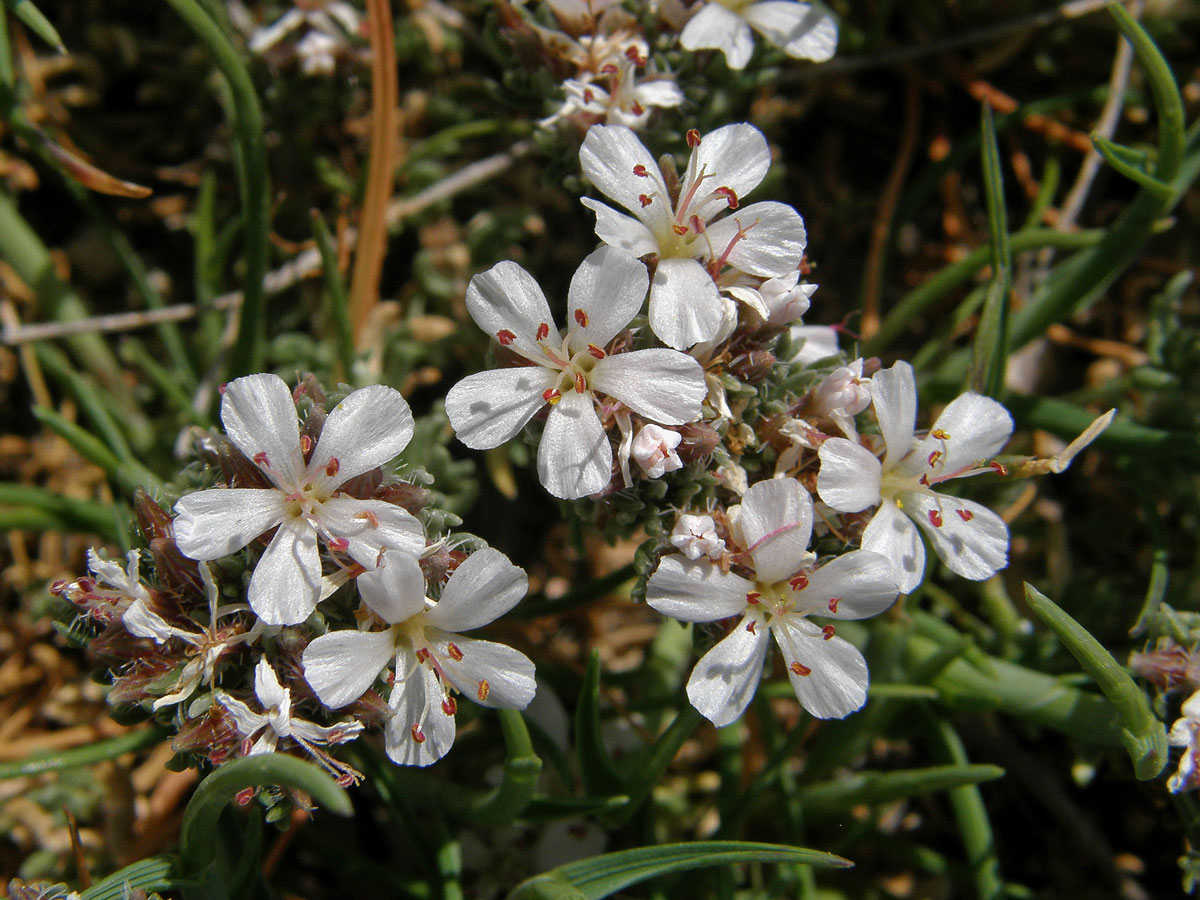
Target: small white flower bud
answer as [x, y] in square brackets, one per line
[654, 450]
[696, 536]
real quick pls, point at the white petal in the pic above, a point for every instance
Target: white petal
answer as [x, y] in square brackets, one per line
[849, 477]
[484, 587]
[488, 408]
[662, 92]
[696, 590]
[287, 580]
[621, 231]
[609, 157]
[975, 547]
[264, 38]
[367, 429]
[716, 28]
[773, 242]
[685, 305]
[816, 342]
[372, 526]
[491, 674]
[836, 684]
[663, 385]
[892, 534]
[802, 31]
[260, 418]
[862, 582]
[342, 665]
[978, 427]
[751, 298]
[268, 690]
[141, 622]
[726, 677]
[894, 396]
[609, 287]
[247, 721]
[214, 523]
[575, 458]
[507, 298]
[776, 523]
[734, 156]
[395, 589]
[419, 732]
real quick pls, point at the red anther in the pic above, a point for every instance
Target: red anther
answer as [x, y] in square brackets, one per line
[641, 172]
[58, 587]
[588, 95]
[751, 625]
[246, 746]
[609, 69]
[331, 468]
[455, 653]
[505, 337]
[422, 654]
[221, 388]
[391, 677]
[752, 597]
[800, 669]
[306, 444]
[595, 351]
[645, 200]
[933, 458]
[551, 396]
[697, 225]
[799, 583]
[941, 434]
[417, 734]
[631, 54]
[924, 479]
[997, 468]
[935, 518]
[679, 229]
[87, 585]
[965, 514]
[833, 603]
[693, 138]
[730, 196]
[260, 459]
[582, 318]
[449, 706]
[369, 517]
[339, 544]
[244, 796]
[580, 383]
[336, 735]
[543, 331]
[637, 109]
[827, 632]
[484, 690]
[345, 780]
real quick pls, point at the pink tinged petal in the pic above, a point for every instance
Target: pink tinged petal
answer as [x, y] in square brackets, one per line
[506, 298]
[971, 539]
[892, 534]
[575, 458]
[286, 582]
[141, 622]
[894, 396]
[696, 590]
[685, 305]
[419, 732]
[342, 665]
[801, 30]
[717, 28]
[395, 589]
[244, 718]
[621, 231]
[776, 523]
[488, 408]
[260, 418]
[855, 585]
[214, 523]
[849, 477]
[490, 674]
[829, 676]
[372, 526]
[735, 156]
[483, 588]
[978, 427]
[772, 242]
[663, 385]
[367, 429]
[751, 298]
[608, 288]
[726, 677]
[614, 160]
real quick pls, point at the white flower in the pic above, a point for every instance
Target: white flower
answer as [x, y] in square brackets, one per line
[842, 395]
[968, 537]
[654, 450]
[317, 53]
[575, 457]
[1186, 733]
[696, 536]
[778, 301]
[828, 674]
[276, 720]
[626, 102]
[429, 656]
[801, 30]
[111, 588]
[765, 239]
[333, 21]
[364, 431]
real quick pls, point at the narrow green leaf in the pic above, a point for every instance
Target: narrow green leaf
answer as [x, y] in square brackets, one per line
[883, 787]
[129, 476]
[1129, 163]
[152, 874]
[7, 74]
[595, 765]
[55, 363]
[521, 769]
[69, 513]
[36, 22]
[338, 307]
[77, 757]
[1124, 435]
[1143, 735]
[990, 349]
[550, 809]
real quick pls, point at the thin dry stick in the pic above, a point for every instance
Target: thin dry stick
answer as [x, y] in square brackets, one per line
[381, 177]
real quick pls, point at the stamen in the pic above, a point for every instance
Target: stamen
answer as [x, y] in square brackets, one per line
[417, 734]
[332, 466]
[827, 632]
[631, 54]
[965, 514]
[637, 109]
[751, 625]
[484, 689]
[422, 654]
[338, 544]
[260, 459]
[697, 225]
[543, 331]
[595, 351]
[730, 197]
[608, 69]
[369, 517]
[753, 597]
[641, 172]
[679, 229]
[244, 796]
[449, 706]
[551, 396]
[799, 583]
[934, 457]
[645, 200]
[582, 318]
[997, 468]
[833, 603]
[505, 337]
[455, 653]
[940, 433]
[693, 138]
[588, 95]
[580, 383]
[935, 518]
[306, 444]
[800, 669]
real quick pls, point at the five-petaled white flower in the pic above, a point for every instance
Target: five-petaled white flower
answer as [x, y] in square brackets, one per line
[968, 537]
[365, 430]
[575, 456]
[430, 658]
[828, 674]
[626, 101]
[764, 239]
[801, 30]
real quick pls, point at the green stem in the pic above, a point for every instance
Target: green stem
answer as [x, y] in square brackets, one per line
[521, 769]
[100, 751]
